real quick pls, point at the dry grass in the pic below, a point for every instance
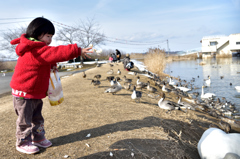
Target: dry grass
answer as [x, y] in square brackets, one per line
[155, 60]
[223, 55]
[7, 65]
[137, 56]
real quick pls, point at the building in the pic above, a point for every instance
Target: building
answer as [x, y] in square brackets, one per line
[221, 45]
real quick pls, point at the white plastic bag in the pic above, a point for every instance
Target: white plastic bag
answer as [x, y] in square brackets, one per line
[55, 93]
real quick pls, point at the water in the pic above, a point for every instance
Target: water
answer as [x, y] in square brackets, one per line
[229, 68]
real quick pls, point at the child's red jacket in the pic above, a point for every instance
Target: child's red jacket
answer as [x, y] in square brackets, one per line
[32, 72]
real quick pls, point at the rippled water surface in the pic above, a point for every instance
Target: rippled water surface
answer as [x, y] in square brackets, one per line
[229, 68]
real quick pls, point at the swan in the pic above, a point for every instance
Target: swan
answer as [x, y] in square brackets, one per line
[171, 82]
[237, 88]
[184, 89]
[136, 95]
[207, 95]
[215, 144]
[208, 81]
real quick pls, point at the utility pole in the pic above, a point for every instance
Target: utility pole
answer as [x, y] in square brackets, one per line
[168, 47]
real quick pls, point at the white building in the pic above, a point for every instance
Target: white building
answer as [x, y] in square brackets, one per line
[220, 45]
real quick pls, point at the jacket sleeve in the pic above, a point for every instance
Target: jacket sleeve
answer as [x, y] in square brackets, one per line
[50, 54]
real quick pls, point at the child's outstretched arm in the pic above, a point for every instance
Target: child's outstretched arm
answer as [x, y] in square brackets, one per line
[84, 52]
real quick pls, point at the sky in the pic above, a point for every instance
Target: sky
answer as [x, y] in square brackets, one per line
[175, 25]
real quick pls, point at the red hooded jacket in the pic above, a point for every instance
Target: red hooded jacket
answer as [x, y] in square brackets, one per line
[32, 72]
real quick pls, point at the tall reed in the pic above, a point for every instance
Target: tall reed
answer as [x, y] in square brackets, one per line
[155, 60]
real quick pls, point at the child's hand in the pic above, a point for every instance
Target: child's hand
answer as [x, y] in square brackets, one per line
[55, 69]
[85, 51]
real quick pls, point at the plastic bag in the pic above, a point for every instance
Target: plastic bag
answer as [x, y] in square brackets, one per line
[130, 65]
[55, 93]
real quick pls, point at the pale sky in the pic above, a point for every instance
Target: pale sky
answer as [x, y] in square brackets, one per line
[151, 22]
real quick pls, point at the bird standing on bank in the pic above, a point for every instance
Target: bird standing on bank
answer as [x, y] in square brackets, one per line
[84, 74]
[136, 95]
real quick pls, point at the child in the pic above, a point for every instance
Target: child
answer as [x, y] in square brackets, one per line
[110, 58]
[31, 79]
[127, 64]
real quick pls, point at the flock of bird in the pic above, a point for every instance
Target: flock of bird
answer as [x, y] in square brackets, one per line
[162, 86]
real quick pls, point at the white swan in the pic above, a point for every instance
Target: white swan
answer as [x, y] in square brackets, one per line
[184, 89]
[208, 81]
[215, 144]
[171, 82]
[237, 88]
[207, 95]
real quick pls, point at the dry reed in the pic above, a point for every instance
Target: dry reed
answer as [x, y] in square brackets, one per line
[223, 55]
[155, 60]
[7, 65]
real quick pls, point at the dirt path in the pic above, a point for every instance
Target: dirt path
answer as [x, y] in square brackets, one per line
[117, 124]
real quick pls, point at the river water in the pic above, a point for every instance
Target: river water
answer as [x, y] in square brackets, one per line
[227, 68]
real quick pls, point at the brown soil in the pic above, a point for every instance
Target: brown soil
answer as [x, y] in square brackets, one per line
[117, 124]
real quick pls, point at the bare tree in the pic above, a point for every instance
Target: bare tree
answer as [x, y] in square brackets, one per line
[9, 36]
[83, 33]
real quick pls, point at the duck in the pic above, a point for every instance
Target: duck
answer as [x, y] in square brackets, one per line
[150, 88]
[119, 72]
[184, 104]
[114, 89]
[98, 76]
[110, 72]
[98, 65]
[165, 104]
[109, 78]
[113, 82]
[84, 74]
[127, 86]
[136, 95]
[125, 79]
[96, 82]
[139, 84]
[164, 89]
[207, 95]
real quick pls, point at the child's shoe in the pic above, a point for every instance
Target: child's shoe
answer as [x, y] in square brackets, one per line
[42, 143]
[28, 148]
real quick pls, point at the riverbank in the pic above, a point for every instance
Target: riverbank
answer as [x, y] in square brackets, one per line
[93, 124]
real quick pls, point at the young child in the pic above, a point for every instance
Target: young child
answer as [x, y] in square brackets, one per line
[31, 79]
